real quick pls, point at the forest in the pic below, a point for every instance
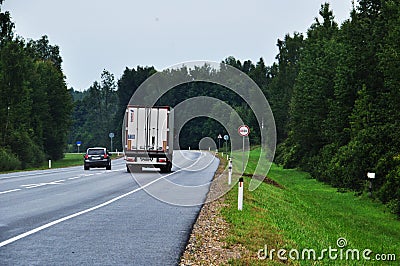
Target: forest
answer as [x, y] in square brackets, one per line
[334, 92]
[35, 105]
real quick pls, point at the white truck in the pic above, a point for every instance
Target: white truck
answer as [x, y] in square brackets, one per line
[147, 138]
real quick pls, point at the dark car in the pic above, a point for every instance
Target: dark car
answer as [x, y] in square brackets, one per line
[97, 157]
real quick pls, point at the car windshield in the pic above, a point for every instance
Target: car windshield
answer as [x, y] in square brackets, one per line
[96, 152]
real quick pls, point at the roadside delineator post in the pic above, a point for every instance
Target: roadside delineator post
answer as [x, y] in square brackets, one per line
[230, 172]
[240, 194]
[49, 164]
[370, 177]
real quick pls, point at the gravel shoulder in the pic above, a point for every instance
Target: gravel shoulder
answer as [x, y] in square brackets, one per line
[206, 244]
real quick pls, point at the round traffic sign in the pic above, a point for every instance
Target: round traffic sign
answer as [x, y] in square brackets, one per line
[244, 130]
[226, 137]
[111, 135]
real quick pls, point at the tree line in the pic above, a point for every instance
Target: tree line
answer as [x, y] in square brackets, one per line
[94, 119]
[335, 94]
[35, 105]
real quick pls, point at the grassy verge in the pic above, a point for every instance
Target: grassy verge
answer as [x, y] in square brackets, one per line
[307, 214]
[70, 159]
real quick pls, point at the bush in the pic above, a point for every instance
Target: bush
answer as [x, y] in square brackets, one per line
[28, 153]
[8, 161]
[390, 191]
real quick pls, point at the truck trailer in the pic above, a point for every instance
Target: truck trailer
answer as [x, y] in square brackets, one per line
[147, 138]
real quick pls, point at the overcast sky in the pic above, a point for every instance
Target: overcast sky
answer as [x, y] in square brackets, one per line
[96, 34]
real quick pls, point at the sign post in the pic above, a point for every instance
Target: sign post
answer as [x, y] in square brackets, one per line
[219, 141]
[243, 131]
[111, 135]
[226, 137]
[78, 143]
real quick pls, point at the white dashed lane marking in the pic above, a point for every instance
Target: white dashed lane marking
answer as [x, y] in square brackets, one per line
[57, 182]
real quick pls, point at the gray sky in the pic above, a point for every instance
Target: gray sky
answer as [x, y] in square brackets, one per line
[96, 34]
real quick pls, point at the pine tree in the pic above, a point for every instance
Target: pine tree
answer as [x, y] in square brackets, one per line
[312, 91]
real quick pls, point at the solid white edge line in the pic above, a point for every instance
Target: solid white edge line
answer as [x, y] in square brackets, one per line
[40, 228]
[9, 191]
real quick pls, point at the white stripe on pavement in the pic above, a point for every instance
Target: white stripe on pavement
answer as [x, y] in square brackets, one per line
[9, 191]
[40, 228]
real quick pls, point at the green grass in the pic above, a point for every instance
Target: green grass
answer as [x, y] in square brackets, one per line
[308, 214]
[70, 159]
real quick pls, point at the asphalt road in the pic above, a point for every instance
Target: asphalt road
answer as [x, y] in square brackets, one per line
[74, 217]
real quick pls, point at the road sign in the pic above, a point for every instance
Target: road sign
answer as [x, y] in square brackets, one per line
[78, 143]
[226, 137]
[244, 130]
[111, 135]
[371, 175]
[219, 136]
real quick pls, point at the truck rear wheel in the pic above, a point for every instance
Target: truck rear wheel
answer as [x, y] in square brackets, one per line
[163, 169]
[166, 168]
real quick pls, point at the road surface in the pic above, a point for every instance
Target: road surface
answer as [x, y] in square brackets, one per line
[74, 217]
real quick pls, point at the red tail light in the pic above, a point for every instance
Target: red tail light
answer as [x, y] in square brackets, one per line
[105, 155]
[86, 156]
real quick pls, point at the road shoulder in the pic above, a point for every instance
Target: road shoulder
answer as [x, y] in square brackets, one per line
[206, 245]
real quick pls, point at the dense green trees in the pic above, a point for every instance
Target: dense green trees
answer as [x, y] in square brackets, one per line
[99, 110]
[35, 104]
[94, 114]
[92, 129]
[343, 118]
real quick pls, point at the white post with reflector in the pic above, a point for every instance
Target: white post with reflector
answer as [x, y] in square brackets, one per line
[240, 194]
[230, 172]
[49, 164]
